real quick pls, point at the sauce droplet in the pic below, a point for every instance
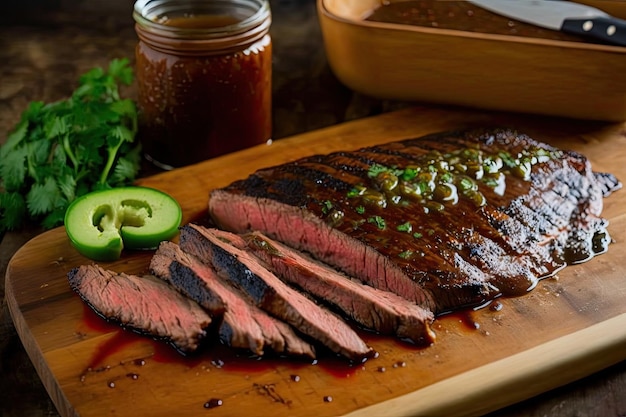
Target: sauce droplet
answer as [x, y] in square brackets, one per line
[213, 402]
[218, 363]
[497, 306]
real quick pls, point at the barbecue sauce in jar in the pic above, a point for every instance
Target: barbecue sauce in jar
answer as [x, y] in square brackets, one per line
[204, 71]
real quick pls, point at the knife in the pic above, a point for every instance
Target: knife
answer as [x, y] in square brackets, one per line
[565, 16]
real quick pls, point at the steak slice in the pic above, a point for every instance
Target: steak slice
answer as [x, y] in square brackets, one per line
[269, 293]
[435, 219]
[144, 304]
[242, 325]
[382, 311]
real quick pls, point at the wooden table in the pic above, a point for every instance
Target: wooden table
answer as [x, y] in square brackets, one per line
[43, 49]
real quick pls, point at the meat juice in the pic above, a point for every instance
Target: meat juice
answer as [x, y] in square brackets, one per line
[216, 356]
[204, 74]
[120, 339]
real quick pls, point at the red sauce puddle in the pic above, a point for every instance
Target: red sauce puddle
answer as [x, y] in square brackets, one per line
[120, 339]
[218, 355]
[223, 357]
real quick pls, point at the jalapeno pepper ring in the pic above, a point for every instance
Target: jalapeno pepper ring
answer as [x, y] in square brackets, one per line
[103, 223]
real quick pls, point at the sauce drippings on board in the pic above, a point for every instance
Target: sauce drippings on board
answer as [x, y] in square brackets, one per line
[216, 356]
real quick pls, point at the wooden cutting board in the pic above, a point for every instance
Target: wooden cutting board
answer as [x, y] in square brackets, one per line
[566, 328]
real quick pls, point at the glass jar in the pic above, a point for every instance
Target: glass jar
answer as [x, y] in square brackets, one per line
[204, 73]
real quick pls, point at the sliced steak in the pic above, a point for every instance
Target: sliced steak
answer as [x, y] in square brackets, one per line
[144, 304]
[381, 311]
[242, 324]
[436, 220]
[270, 293]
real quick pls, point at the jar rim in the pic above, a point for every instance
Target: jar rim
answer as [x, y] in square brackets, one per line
[148, 12]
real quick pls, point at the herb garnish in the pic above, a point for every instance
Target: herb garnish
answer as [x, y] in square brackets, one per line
[437, 179]
[376, 169]
[378, 221]
[327, 206]
[61, 150]
[405, 227]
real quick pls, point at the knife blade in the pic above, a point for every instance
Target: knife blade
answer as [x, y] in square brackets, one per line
[565, 16]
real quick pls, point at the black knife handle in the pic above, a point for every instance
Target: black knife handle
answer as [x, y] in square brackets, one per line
[606, 29]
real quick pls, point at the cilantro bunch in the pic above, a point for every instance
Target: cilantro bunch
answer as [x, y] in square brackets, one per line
[62, 150]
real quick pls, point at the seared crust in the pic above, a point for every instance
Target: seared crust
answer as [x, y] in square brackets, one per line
[466, 254]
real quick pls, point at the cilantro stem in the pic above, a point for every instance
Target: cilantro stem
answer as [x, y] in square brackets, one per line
[68, 150]
[112, 153]
[51, 153]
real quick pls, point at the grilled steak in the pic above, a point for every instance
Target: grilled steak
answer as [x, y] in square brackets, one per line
[382, 311]
[144, 304]
[270, 293]
[242, 325]
[446, 221]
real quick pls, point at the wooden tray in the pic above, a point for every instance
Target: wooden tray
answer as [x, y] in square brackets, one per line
[498, 72]
[563, 330]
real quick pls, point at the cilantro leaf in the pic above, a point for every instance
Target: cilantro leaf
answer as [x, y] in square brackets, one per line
[43, 198]
[378, 221]
[13, 169]
[67, 186]
[376, 169]
[54, 218]
[14, 139]
[119, 69]
[56, 126]
[126, 168]
[405, 227]
[12, 210]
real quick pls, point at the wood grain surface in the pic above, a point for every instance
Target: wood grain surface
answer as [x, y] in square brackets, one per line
[566, 328]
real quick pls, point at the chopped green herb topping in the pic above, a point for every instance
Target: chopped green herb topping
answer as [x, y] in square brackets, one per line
[446, 177]
[438, 178]
[353, 193]
[405, 227]
[410, 173]
[376, 169]
[378, 221]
